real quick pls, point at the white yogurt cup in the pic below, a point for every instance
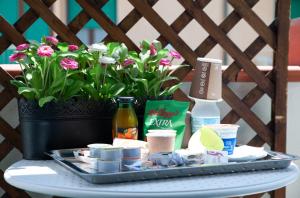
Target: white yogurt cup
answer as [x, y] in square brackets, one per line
[228, 133]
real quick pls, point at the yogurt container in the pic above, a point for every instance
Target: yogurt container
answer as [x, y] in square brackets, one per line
[161, 140]
[228, 134]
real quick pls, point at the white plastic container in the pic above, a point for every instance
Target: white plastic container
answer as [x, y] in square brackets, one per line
[161, 140]
[228, 134]
[205, 112]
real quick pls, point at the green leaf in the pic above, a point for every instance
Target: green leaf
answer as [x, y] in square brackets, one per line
[36, 80]
[72, 88]
[91, 91]
[116, 89]
[44, 100]
[169, 91]
[162, 54]
[29, 93]
[68, 54]
[63, 47]
[111, 47]
[145, 44]
[157, 44]
[18, 83]
[123, 52]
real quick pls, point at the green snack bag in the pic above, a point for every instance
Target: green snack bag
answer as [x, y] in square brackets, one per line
[166, 114]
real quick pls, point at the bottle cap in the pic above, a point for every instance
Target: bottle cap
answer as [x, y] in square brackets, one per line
[125, 99]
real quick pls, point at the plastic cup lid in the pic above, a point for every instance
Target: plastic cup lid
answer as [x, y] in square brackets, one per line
[162, 133]
[223, 126]
[209, 60]
[99, 145]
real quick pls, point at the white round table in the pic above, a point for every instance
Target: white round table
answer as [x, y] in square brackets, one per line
[48, 177]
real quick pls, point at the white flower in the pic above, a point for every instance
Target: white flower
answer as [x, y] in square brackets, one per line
[107, 60]
[97, 47]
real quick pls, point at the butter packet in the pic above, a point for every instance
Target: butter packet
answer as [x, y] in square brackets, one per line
[216, 157]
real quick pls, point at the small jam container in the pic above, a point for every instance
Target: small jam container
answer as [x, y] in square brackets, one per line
[132, 152]
[108, 166]
[95, 149]
[111, 154]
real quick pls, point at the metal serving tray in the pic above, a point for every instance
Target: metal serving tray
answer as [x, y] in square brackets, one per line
[65, 157]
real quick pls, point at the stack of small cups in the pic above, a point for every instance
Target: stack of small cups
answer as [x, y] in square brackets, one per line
[108, 158]
[131, 156]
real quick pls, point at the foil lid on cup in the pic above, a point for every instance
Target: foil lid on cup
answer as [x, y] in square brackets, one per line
[207, 80]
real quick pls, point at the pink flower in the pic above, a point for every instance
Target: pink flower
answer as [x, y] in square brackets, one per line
[16, 56]
[152, 50]
[22, 47]
[164, 62]
[128, 62]
[52, 40]
[175, 54]
[68, 63]
[45, 51]
[73, 48]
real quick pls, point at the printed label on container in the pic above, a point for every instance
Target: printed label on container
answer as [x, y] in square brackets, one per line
[127, 133]
[198, 122]
[229, 144]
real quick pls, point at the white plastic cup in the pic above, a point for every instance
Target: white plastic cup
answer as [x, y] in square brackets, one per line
[161, 140]
[228, 133]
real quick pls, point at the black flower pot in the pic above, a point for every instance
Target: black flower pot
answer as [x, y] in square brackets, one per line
[71, 124]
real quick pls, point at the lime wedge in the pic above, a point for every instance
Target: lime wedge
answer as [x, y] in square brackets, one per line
[210, 139]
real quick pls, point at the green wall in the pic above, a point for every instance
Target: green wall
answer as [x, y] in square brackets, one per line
[295, 8]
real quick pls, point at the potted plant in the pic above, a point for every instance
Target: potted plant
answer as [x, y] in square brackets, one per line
[146, 73]
[66, 95]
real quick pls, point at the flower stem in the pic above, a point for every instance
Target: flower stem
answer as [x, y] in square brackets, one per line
[46, 73]
[26, 81]
[63, 87]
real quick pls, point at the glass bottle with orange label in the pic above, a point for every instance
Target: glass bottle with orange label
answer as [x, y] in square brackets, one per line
[125, 123]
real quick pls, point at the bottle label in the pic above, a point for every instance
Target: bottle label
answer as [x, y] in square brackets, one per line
[198, 122]
[127, 133]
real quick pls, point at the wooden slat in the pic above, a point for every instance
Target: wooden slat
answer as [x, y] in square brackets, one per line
[10, 134]
[182, 20]
[250, 99]
[57, 25]
[161, 26]
[279, 104]
[5, 81]
[229, 22]
[130, 20]
[5, 97]
[254, 48]
[5, 148]
[114, 31]
[82, 18]
[209, 43]
[253, 121]
[256, 23]
[11, 33]
[229, 46]
[22, 24]
[254, 196]
[10, 190]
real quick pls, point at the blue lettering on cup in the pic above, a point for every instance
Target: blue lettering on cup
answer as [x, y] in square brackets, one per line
[229, 144]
